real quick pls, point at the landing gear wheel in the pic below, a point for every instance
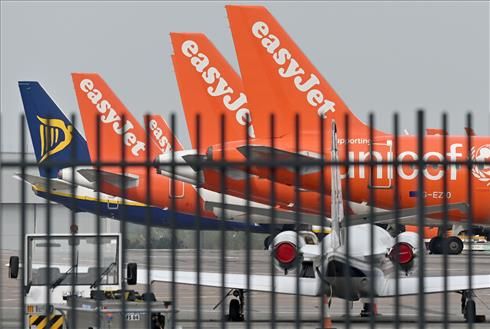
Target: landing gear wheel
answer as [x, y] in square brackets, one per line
[369, 310]
[267, 242]
[435, 245]
[470, 311]
[234, 311]
[454, 245]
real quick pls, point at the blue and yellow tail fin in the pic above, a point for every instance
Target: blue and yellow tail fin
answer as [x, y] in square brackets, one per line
[54, 138]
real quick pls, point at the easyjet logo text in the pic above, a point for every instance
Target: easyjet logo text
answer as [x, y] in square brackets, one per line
[218, 86]
[109, 116]
[162, 140]
[291, 69]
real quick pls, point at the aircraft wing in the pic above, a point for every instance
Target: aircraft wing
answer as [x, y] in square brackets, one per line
[114, 179]
[433, 284]
[54, 184]
[406, 215]
[311, 286]
[283, 284]
[281, 216]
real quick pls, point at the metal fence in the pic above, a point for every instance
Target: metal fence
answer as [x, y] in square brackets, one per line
[334, 266]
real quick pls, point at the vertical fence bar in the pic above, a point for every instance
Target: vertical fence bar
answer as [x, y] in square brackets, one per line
[73, 230]
[469, 124]
[445, 214]
[148, 214]
[173, 206]
[396, 206]
[198, 223]
[297, 207]
[123, 225]
[347, 222]
[223, 218]
[421, 216]
[372, 204]
[48, 229]
[248, 245]
[98, 165]
[272, 228]
[22, 219]
[323, 296]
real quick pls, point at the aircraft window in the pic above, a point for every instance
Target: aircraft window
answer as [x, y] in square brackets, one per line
[309, 240]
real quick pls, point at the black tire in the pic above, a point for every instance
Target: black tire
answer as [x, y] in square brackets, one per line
[14, 267]
[131, 273]
[454, 245]
[435, 245]
[234, 310]
[470, 311]
[267, 242]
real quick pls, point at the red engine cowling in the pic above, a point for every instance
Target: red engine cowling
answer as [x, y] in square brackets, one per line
[404, 252]
[285, 250]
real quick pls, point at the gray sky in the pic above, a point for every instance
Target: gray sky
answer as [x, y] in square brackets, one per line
[379, 56]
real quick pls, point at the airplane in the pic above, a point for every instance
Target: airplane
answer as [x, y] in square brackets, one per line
[212, 90]
[278, 78]
[98, 102]
[56, 141]
[390, 270]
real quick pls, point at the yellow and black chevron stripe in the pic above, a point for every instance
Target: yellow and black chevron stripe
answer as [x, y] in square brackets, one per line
[41, 321]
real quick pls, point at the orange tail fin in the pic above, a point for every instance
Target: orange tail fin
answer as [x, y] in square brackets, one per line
[209, 86]
[279, 78]
[161, 134]
[97, 100]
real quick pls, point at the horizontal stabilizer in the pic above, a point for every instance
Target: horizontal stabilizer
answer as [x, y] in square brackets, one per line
[119, 180]
[282, 284]
[54, 184]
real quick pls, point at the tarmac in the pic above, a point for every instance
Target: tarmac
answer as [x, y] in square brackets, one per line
[258, 305]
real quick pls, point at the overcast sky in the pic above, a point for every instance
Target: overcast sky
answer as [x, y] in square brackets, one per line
[379, 56]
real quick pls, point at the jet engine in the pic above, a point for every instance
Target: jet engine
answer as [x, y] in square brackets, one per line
[287, 246]
[405, 251]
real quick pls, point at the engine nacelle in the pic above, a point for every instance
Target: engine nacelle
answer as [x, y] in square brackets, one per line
[286, 248]
[405, 250]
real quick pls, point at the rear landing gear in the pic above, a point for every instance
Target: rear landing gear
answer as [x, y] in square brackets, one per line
[468, 308]
[454, 245]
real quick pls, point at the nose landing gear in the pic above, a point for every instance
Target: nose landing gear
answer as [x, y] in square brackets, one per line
[235, 310]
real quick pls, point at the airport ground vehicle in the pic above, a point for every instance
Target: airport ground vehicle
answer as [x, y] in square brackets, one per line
[48, 288]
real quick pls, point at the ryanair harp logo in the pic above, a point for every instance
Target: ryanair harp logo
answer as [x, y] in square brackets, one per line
[55, 136]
